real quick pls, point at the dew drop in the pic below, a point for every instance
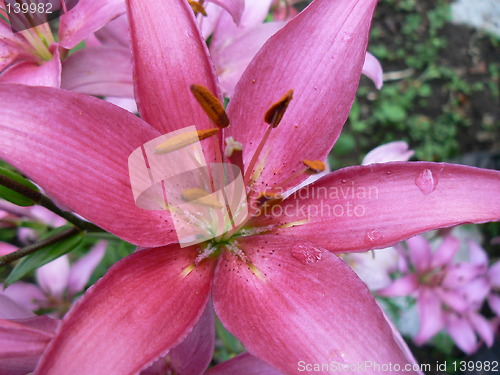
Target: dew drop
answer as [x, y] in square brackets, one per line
[426, 181]
[306, 255]
[373, 235]
[344, 181]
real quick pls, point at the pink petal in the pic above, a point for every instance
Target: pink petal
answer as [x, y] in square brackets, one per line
[234, 7]
[115, 33]
[11, 310]
[83, 268]
[82, 163]
[53, 277]
[454, 299]
[420, 253]
[460, 274]
[483, 327]
[22, 343]
[99, 71]
[494, 302]
[33, 74]
[462, 333]
[6, 248]
[194, 354]
[125, 103]
[301, 303]
[477, 290]
[392, 151]
[244, 363]
[431, 316]
[169, 56]
[226, 30]
[142, 307]
[232, 60]
[85, 18]
[25, 295]
[322, 97]
[494, 275]
[13, 47]
[445, 252]
[375, 206]
[403, 286]
[477, 254]
[373, 70]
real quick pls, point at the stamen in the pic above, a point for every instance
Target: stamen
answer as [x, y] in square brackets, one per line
[276, 112]
[273, 117]
[314, 166]
[197, 8]
[211, 105]
[183, 140]
[201, 196]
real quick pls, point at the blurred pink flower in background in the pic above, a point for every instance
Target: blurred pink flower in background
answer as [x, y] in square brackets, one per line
[58, 283]
[449, 292]
[35, 56]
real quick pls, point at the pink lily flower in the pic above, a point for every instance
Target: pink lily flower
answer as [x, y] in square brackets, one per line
[449, 294]
[23, 337]
[392, 151]
[58, 283]
[275, 284]
[33, 56]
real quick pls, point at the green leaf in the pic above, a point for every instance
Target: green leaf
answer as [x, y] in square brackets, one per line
[45, 255]
[11, 195]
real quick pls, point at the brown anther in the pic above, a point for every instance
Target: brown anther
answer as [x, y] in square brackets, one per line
[314, 166]
[266, 197]
[184, 139]
[197, 7]
[276, 112]
[201, 197]
[211, 105]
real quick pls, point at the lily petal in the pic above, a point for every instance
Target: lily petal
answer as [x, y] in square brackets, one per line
[234, 7]
[462, 333]
[373, 70]
[244, 363]
[494, 275]
[31, 73]
[445, 252]
[11, 310]
[84, 267]
[115, 33]
[420, 252]
[233, 58]
[431, 315]
[155, 27]
[76, 148]
[22, 342]
[53, 277]
[392, 151]
[85, 18]
[109, 329]
[322, 97]
[375, 206]
[100, 71]
[268, 305]
[403, 286]
[483, 327]
[25, 295]
[194, 354]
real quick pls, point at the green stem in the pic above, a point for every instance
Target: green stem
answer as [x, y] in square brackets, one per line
[43, 201]
[70, 232]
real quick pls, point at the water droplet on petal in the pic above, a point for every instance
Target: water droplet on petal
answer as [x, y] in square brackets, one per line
[306, 254]
[373, 235]
[344, 181]
[426, 181]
